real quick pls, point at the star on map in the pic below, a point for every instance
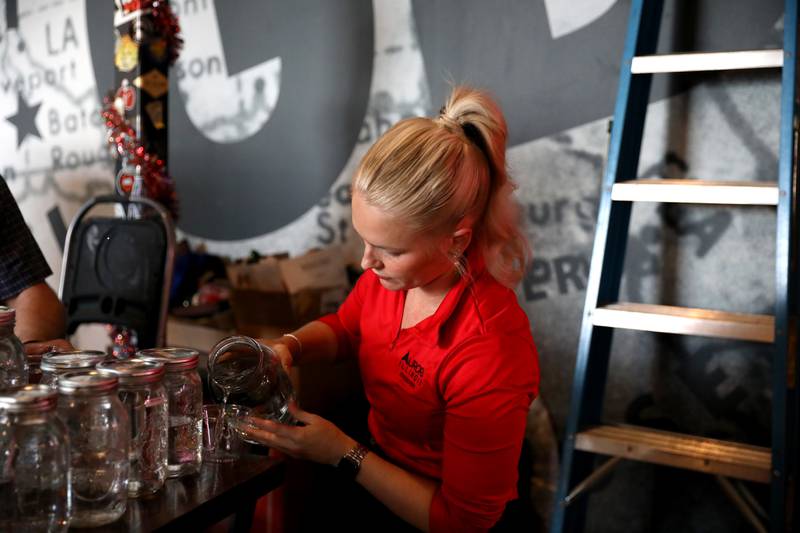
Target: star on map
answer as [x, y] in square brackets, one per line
[25, 120]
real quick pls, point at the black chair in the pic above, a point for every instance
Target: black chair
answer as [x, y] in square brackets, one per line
[118, 270]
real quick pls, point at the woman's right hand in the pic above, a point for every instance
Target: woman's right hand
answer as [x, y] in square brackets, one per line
[281, 349]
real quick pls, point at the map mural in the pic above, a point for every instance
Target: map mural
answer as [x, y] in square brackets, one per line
[273, 103]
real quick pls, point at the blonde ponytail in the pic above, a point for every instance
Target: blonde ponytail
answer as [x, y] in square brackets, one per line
[438, 173]
[498, 232]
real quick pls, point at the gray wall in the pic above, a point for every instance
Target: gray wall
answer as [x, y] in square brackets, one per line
[273, 103]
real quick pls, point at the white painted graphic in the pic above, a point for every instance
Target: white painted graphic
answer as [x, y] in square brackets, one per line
[392, 97]
[224, 108]
[54, 151]
[53, 155]
[569, 16]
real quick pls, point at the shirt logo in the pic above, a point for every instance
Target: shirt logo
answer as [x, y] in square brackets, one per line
[411, 371]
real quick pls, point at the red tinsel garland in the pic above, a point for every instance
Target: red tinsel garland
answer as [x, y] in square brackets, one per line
[158, 184]
[167, 25]
[157, 181]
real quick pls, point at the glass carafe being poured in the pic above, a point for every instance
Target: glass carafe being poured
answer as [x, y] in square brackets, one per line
[243, 371]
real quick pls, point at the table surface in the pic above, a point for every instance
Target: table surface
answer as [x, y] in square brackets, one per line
[198, 501]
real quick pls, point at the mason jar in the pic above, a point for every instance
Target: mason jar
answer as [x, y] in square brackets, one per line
[54, 364]
[13, 363]
[97, 425]
[185, 393]
[34, 462]
[144, 397]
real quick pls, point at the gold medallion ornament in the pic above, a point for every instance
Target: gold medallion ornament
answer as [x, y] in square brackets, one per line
[155, 110]
[126, 54]
[154, 83]
[159, 49]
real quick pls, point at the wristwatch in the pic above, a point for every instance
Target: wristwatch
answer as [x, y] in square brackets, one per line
[350, 463]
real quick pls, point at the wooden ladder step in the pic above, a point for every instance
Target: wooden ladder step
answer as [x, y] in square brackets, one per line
[731, 459]
[686, 321]
[692, 191]
[706, 61]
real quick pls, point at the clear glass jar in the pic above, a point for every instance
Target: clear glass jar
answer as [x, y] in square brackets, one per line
[142, 392]
[243, 371]
[97, 424]
[55, 364]
[185, 392]
[13, 363]
[34, 462]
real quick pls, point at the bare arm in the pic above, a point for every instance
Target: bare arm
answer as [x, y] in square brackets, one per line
[316, 341]
[407, 495]
[40, 315]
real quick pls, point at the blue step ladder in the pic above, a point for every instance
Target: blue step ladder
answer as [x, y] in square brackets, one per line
[586, 436]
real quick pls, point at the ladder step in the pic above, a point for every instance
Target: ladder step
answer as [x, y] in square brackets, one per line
[691, 191]
[731, 459]
[705, 61]
[686, 321]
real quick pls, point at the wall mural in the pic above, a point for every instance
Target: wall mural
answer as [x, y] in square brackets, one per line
[277, 101]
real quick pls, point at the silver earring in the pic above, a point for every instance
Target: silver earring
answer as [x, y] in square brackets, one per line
[458, 262]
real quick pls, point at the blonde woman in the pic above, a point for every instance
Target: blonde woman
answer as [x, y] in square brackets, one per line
[445, 352]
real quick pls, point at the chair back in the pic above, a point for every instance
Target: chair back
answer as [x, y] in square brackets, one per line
[118, 270]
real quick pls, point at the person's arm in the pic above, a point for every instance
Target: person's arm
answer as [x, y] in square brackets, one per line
[331, 337]
[23, 269]
[488, 386]
[316, 341]
[40, 315]
[407, 495]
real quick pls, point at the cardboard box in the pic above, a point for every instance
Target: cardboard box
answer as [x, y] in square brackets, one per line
[192, 334]
[285, 293]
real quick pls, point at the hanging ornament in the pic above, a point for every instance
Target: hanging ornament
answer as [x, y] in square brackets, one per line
[167, 26]
[157, 182]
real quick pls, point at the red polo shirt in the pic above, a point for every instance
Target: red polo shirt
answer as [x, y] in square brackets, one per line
[448, 397]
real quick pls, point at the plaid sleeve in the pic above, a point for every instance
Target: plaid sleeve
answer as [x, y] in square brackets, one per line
[21, 261]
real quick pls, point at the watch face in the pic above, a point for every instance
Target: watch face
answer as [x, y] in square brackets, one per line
[348, 467]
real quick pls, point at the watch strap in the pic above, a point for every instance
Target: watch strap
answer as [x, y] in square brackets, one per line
[350, 463]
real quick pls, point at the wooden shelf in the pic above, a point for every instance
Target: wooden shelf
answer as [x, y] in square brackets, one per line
[691, 191]
[731, 459]
[707, 61]
[686, 321]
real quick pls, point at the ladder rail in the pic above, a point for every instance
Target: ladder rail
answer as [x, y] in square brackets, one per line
[609, 248]
[786, 300]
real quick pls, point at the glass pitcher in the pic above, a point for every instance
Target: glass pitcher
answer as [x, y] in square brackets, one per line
[243, 371]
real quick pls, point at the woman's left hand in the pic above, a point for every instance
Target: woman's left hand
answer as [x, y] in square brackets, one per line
[318, 440]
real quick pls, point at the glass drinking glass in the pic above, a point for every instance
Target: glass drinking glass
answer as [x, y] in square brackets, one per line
[221, 443]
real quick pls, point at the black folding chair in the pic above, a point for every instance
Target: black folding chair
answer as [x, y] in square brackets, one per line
[118, 270]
